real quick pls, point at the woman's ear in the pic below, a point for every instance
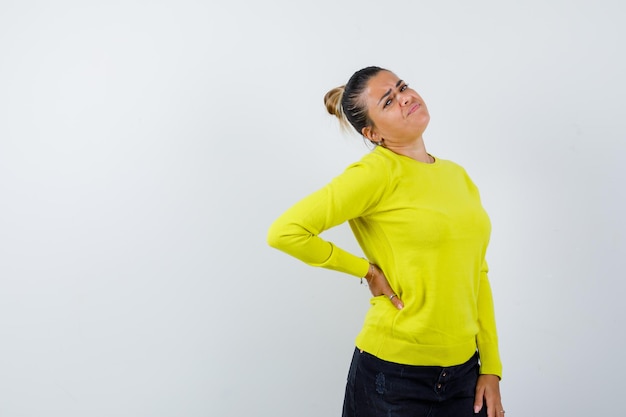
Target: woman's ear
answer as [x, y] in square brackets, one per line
[370, 134]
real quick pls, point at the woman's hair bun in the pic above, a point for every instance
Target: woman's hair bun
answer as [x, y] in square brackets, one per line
[332, 101]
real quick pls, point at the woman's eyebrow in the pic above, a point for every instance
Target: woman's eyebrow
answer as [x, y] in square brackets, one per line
[389, 91]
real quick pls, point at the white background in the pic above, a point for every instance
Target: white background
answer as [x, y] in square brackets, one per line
[146, 147]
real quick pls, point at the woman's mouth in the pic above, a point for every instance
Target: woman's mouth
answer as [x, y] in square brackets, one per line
[414, 108]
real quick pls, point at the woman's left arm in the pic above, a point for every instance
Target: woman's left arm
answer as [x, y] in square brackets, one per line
[487, 338]
[488, 386]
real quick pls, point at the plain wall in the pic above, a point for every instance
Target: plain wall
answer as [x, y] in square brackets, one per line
[146, 147]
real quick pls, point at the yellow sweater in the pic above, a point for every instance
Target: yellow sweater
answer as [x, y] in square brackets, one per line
[424, 226]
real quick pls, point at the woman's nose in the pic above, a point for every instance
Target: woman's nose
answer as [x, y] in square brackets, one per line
[403, 99]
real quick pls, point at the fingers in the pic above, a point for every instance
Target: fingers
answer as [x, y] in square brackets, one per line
[478, 399]
[380, 286]
[396, 301]
[488, 394]
[492, 398]
[494, 407]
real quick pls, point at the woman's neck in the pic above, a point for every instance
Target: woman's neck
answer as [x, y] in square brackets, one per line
[414, 150]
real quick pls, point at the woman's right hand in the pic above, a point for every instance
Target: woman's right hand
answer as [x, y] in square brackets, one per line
[379, 285]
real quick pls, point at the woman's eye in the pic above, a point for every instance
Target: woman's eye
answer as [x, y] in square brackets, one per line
[387, 103]
[404, 87]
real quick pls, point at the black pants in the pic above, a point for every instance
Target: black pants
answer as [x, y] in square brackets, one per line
[378, 388]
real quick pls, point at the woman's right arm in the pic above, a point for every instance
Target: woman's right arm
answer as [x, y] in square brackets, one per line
[350, 195]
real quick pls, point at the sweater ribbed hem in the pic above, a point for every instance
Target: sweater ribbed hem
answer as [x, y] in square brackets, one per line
[408, 353]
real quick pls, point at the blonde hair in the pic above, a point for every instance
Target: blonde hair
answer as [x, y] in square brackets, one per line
[332, 101]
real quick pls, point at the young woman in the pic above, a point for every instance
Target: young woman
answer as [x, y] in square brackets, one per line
[428, 346]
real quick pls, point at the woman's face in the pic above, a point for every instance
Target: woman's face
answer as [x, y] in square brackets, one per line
[399, 114]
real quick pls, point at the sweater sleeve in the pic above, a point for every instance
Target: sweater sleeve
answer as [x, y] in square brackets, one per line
[487, 338]
[348, 196]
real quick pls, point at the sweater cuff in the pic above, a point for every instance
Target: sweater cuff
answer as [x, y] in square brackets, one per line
[342, 261]
[490, 363]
